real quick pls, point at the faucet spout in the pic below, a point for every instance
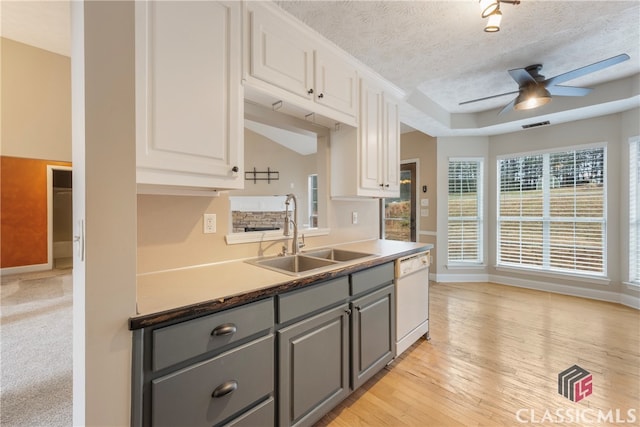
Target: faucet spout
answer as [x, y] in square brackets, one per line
[294, 221]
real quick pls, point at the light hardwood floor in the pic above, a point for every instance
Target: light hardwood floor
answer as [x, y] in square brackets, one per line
[494, 358]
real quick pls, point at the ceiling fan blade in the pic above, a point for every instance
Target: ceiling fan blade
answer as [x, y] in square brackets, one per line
[508, 107]
[579, 72]
[521, 76]
[568, 90]
[488, 97]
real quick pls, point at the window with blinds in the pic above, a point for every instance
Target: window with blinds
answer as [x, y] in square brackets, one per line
[634, 212]
[465, 211]
[551, 211]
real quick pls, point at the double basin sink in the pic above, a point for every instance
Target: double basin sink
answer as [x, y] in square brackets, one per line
[309, 262]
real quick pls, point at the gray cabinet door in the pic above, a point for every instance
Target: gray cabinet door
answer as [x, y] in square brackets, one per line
[373, 334]
[314, 366]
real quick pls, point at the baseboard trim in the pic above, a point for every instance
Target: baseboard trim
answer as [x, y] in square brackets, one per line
[452, 278]
[596, 294]
[632, 301]
[25, 269]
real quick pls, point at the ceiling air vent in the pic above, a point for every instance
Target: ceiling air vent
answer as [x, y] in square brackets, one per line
[535, 125]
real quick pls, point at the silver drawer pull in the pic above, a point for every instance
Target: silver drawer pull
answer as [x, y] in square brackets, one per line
[225, 388]
[225, 329]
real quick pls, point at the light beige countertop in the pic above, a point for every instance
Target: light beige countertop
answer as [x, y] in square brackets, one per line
[198, 290]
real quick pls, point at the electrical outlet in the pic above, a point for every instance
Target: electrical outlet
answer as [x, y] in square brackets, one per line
[354, 217]
[209, 223]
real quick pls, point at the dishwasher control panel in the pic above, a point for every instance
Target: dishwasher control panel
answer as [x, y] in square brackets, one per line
[411, 263]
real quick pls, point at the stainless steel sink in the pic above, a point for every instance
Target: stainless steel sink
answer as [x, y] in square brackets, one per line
[293, 264]
[336, 254]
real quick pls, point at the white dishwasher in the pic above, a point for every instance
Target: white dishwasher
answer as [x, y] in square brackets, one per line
[412, 300]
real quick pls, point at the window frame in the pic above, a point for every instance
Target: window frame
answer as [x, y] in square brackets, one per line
[634, 213]
[479, 260]
[547, 219]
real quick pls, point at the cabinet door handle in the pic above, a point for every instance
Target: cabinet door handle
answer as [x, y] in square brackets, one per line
[310, 91]
[357, 307]
[386, 185]
[225, 329]
[348, 311]
[321, 95]
[225, 388]
[235, 169]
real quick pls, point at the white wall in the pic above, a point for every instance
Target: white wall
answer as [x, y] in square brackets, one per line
[104, 276]
[614, 130]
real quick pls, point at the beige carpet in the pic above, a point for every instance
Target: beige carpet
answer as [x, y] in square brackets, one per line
[36, 349]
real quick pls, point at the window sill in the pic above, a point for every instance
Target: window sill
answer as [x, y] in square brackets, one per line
[584, 278]
[266, 236]
[632, 285]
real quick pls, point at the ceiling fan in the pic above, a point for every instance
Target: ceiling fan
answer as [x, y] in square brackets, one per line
[534, 90]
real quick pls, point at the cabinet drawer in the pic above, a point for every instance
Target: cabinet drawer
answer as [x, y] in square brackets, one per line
[304, 302]
[180, 342]
[262, 415]
[371, 278]
[185, 397]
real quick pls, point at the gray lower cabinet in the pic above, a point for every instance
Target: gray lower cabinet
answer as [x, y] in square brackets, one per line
[215, 370]
[372, 334]
[313, 366]
[283, 361]
[324, 357]
[209, 392]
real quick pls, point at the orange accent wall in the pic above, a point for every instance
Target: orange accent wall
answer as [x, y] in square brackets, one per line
[23, 211]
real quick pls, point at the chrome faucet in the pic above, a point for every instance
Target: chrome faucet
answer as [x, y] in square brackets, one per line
[295, 246]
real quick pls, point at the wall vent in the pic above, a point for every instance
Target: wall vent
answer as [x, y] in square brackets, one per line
[535, 125]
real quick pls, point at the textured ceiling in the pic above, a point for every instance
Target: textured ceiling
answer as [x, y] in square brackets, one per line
[438, 49]
[438, 53]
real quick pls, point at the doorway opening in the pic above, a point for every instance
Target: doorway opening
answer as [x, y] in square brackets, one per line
[60, 233]
[399, 214]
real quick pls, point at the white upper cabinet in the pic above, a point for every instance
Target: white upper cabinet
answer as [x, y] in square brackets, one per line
[373, 147]
[189, 107]
[285, 63]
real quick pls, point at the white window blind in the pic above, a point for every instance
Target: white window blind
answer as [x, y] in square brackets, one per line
[551, 211]
[634, 212]
[465, 211]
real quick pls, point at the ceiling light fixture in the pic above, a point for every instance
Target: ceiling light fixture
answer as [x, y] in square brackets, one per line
[532, 96]
[493, 24]
[491, 9]
[487, 7]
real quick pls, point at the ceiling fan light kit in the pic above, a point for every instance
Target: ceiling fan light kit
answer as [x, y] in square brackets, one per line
[535, 91]
[532, 96]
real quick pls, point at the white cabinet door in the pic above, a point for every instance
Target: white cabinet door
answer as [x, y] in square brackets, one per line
[189, 98]
[336, 83]
[391, 144]
[280, 56]
[374, 148]
[370, 137]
